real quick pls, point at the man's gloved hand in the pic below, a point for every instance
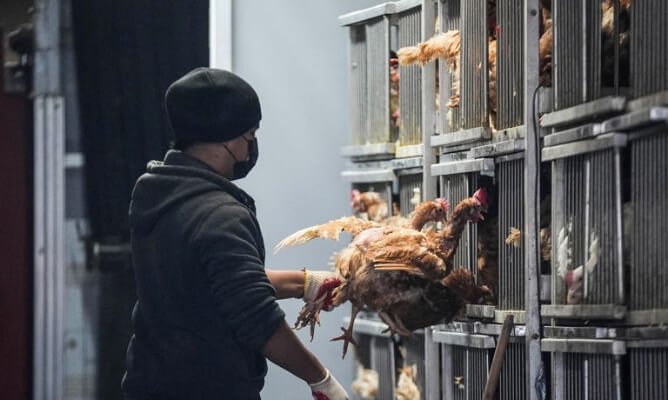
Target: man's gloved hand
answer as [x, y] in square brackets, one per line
[328, 389]
[319, 285]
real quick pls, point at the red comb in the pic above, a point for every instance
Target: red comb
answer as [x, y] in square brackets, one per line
[394, 61]
[481, 196]
[444, 203]
[354, 193]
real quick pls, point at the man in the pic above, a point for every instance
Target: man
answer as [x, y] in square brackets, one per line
[206, 316]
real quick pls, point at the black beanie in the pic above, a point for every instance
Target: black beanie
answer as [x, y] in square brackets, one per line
[211, 105]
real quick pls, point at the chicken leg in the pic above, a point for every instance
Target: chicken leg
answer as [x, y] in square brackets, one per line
[394, 324]
[347, 335]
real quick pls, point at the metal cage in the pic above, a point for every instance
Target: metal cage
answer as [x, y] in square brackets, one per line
[449, 12]
[459, 180]
[510, 182]
[376, 177]
[510, 64]
[370, 35]
[415, 355]
[644, 224]
[470, 17]
[409, 31]
[586, 368]
[407, 183]
[409, 177]
[377, 349]
[648, 367]
[465, 362]
[474, 64]
[649, 56]
[592, 69]
[586, 196]
[512, 382]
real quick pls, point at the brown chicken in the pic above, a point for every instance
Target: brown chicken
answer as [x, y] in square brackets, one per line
[488, 250]
[394, 91]
[369, 203]
[447, 46]
[397, 271]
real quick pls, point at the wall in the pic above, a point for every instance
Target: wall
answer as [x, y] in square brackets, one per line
[295, 55]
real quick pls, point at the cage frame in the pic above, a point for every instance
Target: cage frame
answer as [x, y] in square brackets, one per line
[559, 156]
[377, 331]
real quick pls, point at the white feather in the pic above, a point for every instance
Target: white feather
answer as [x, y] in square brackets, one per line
[594, 251]
[564, 251]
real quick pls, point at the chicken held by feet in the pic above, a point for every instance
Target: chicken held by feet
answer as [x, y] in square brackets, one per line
[397, 271]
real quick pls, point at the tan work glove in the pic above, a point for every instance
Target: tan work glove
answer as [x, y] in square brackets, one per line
[328, 389]
[319, 284]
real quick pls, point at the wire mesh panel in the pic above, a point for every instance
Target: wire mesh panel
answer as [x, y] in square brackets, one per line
[648, 369]
[358, 85]
[465, 372]
[586, 377]
[646, 221]
[410, 187]
[512, 383]
[378, 77]
[573, 65]
[511, 215]
[370, 74]
[410, 83]
[450, 15]
[382, 361]
[586, 201]
[474, 64]
[591, 50]
[415, 356]
[510, 64]
[456, 188]
[649, 29]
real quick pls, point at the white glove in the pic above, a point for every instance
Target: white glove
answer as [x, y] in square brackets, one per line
[328, 389]
[319, 285]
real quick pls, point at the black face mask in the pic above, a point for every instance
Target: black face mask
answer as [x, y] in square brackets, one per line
[242, 168]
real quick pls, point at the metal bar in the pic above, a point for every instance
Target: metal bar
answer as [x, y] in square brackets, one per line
[361, 16]
[531, 206]
[463, 339]
[602, 142]
[581, 112]
[369, 176]
[587, 346]
[460, 137]
[460, 167]
[429, 182]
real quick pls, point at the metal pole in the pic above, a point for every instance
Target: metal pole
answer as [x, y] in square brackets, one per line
[532, 189]
[428, 108]
[431, 357]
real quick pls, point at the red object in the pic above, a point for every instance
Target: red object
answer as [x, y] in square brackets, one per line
[326, 290]
[481, 196]
[15, 248]
[320, 396]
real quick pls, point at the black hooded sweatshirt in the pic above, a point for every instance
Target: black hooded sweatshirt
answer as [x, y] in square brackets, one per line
[205, 306]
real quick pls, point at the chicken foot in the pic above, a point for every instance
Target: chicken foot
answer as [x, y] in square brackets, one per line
[310, 315]
[347, 335]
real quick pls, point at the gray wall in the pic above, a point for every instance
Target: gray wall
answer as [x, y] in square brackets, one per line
[294, 53]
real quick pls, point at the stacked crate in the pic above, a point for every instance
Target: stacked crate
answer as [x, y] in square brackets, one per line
[603, 139]
[385, 158]
[607, 151]
[465, 361]
[376, 351]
